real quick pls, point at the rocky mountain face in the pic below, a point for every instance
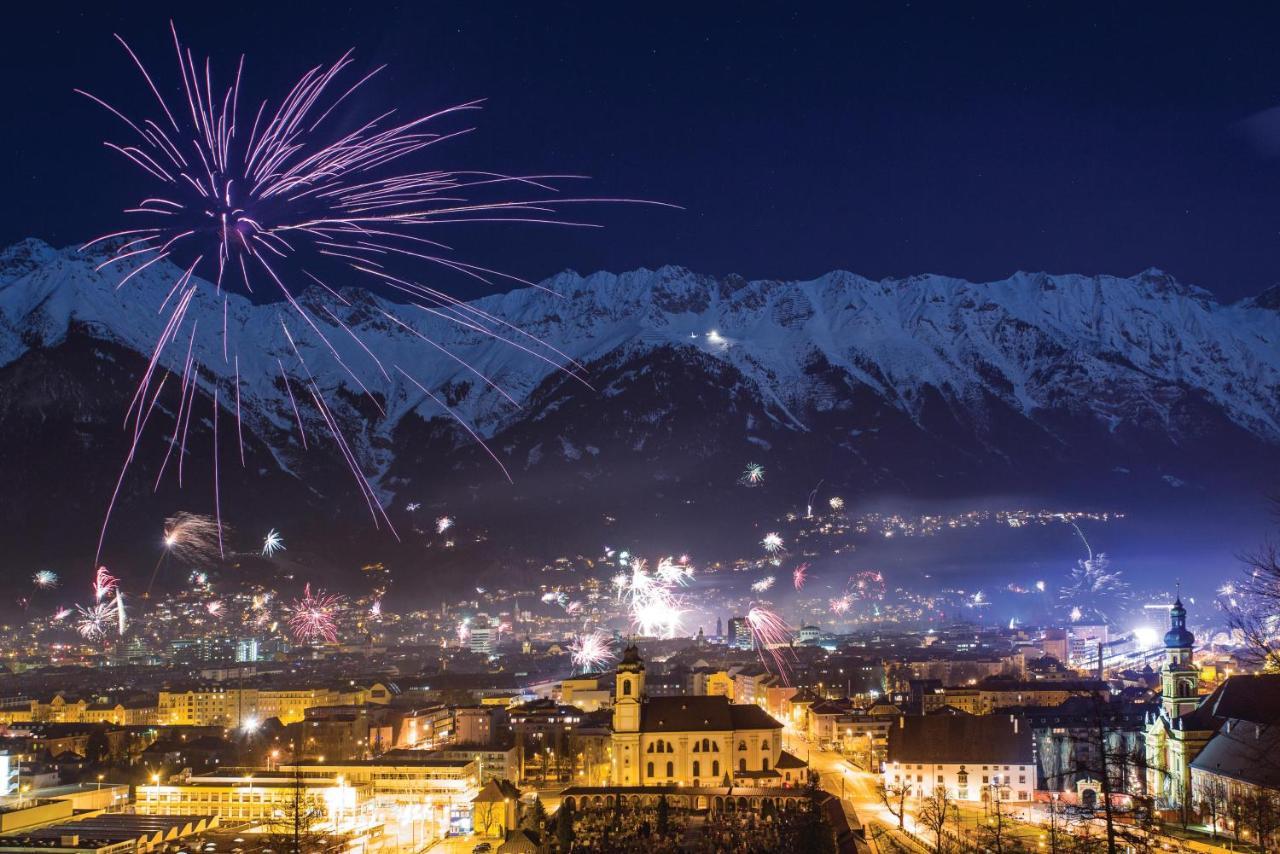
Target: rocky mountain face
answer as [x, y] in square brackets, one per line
[622, 405]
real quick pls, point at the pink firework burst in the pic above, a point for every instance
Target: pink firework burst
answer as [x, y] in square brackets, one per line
[315, 616]
[270, 199]
[104, 584]
[591, 650]
[799, 575]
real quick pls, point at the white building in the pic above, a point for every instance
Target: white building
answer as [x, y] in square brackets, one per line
[975, 757]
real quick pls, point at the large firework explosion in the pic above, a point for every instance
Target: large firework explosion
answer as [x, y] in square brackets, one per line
[589, 651]
[45, 579]
[655, 606]
[1093, 590]
[265, 201]
[315, 616]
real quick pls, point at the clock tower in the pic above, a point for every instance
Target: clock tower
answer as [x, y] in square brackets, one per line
[628, 701]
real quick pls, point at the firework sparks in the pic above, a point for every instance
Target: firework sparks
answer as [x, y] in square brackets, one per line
[443, 524]
[104, 584]
[315, 616]
[375, 610]
[92, 620]
[836, 503]
[61, 614]
[272, 543]
[656, 608]
[773, 543]
[840, 605]
[215, 608]
[671, 572]
[589, 651]
[1040, 585]
[799, 575]
[192, 538]
[771, 635]
[45, 579]
[752, 475]
[255, 213]
[763, 584]
[1094, 589]
[463, 631]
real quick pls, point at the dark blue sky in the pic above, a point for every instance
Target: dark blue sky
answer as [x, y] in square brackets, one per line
[887, 139]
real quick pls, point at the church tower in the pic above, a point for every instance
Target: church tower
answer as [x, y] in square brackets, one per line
[1180, 678]
[628, 701]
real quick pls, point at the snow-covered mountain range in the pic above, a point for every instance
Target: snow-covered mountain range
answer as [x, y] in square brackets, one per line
[923, 385]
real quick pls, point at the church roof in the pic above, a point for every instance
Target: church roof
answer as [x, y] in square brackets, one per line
[1249, 698]
[1243, 751]
[790, 760]
[702, 714]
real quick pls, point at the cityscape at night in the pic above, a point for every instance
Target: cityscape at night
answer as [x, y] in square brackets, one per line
[550, 428]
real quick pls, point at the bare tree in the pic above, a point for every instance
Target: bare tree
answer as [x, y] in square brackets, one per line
[934, 814]
[894, 799]
[1211, 798]
[1252, 607]
[992, 836]
[1262, 816]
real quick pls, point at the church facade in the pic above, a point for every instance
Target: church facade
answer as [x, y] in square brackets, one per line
[692, 740]
[1180, 730]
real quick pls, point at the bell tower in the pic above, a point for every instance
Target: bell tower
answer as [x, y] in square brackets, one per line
[628, 702]
[1180, 678]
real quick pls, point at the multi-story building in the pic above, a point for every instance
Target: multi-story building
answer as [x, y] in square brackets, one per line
[975, 757]
[993, 694]
[256, 796]
[223, 705]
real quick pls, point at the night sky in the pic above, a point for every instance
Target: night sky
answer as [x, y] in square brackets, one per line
[888, 141]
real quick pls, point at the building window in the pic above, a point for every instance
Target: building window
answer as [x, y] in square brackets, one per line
[671, 769]
[626, 687]
[697, 768]
[764, 745]
[649, 769]
[764, 764]
[742, 745]
[742, 764]
[715, 768]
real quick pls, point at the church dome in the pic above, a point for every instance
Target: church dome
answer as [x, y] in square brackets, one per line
[1178, 637]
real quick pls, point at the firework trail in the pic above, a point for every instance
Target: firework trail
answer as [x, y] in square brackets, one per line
[315, 616]
[763, 584]
[45, 579]
[258, 201]
[589, 651]
[799, 575]
[61, 614]
[752, 475]
[773, 544]
[272, 543]
[443, 524]
[771, 635]
[808, 504]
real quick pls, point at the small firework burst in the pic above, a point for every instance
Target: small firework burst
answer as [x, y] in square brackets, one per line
[193, 538]
[589, 651]
[215, 608]
[61, 614]
[443, 524]
[463, 631]
[272, 543]
[799, 575]
[773, 543]
[836, 503]
[752, 475]
[92, 620]
[1040, 585]
[375, 610]
[763, 584]
[413, 506]
[45, 579]
[841, 604]
[672, 572]
[315, 616]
